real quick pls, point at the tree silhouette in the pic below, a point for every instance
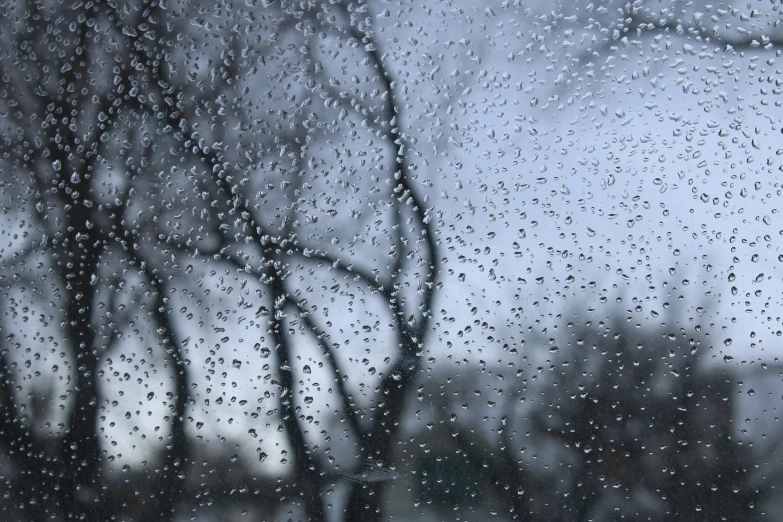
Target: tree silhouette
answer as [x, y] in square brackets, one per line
[629, 421]
[106, 135]
[65, 116]
[638, 416]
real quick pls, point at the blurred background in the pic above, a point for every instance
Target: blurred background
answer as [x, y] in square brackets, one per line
[294, 260]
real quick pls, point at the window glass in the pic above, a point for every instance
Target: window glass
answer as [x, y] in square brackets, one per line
[387, 260]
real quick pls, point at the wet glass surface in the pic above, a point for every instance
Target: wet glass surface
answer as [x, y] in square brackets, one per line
[277, 260]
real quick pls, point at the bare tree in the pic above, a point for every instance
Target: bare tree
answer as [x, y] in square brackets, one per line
[109, 102]
[63, 115]
[408, 234]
